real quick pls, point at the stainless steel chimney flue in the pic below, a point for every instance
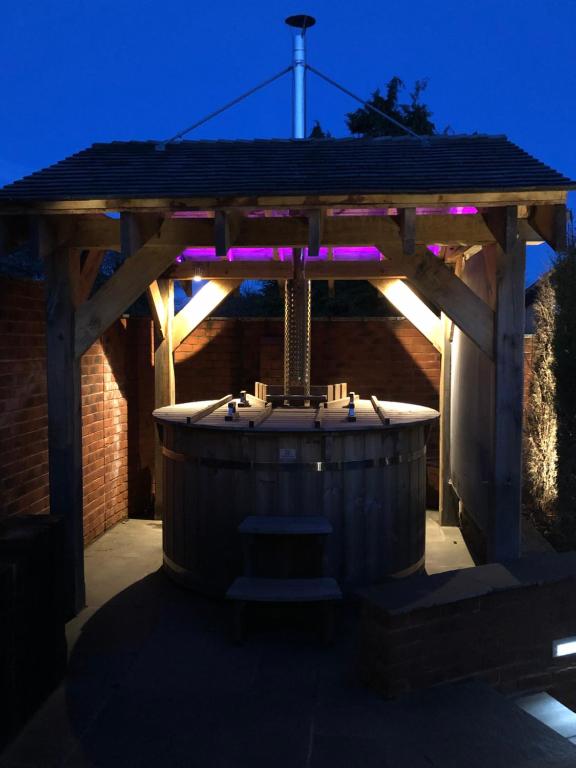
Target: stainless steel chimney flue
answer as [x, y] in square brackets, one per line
[297, 294]
[300, 24]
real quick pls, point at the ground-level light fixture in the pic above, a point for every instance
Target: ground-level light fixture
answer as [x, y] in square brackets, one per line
[564, 647]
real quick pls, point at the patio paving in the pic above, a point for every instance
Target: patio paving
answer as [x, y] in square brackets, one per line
[155, 681]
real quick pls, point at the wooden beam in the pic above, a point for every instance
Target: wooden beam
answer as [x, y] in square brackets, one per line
[413, 309]
[119, 292]
[282, 270]
[315, 232]
[446, 229]
[158, 307]
[503, 223]
[73, 256]
[448, 500]
[136, 230]
[208, 409]
[505, 512]
[63, 378]
[88, 274]
[439, 285]
[550, 222]
[164, 384]
[199, 307]
[222, 239]
[407, 223]
[167, 205]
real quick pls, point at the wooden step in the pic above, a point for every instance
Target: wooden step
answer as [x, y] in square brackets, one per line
[284, 525]
[262, 590]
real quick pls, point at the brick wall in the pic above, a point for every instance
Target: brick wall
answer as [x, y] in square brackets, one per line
[23, 410]
[112, 371]
[382, 356]
[494, 623]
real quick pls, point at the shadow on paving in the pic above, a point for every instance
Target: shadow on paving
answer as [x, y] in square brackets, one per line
[154, 680]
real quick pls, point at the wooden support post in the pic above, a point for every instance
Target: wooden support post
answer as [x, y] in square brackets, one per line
[64, 412]
[504, 533]
[448, 500]
[164, 383]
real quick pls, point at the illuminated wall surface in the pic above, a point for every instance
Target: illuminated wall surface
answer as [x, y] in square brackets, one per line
[340, 253]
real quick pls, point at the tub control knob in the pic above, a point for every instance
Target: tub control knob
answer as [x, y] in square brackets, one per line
[351, 411]
[232, 414]
[243, 403]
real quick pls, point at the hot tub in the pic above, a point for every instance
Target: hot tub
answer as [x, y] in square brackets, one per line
[367, 477]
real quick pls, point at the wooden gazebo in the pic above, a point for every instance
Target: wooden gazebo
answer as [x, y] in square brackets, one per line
[449, 216]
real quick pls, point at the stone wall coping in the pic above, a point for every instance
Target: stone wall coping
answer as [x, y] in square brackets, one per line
[420, 592]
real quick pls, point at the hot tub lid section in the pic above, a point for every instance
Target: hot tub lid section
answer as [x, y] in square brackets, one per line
[259, 417]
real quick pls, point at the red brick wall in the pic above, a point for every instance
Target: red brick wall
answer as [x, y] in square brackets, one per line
[105, 432]
[23, 411]
[494, 623]
[111, 370]
[386, 357]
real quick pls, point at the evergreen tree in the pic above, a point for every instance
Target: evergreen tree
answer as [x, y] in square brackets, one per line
[414, 114]
[318, 132]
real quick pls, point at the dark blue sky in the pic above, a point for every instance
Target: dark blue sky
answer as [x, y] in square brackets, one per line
[73, 72]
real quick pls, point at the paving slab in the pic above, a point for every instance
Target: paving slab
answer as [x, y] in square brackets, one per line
[155, 680]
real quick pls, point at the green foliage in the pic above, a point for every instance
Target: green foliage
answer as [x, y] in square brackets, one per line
[350, 298]
[564, 283]
[22, 262]
[263, 300]
[318, 132]
[413, 114]
[540, 429]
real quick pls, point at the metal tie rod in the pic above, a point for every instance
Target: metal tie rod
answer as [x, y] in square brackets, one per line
[365, 103]
[162, 144]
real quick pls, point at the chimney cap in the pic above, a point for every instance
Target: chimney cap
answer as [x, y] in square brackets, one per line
[301, 21]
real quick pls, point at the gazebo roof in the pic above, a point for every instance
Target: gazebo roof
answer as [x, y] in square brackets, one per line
[284, 168]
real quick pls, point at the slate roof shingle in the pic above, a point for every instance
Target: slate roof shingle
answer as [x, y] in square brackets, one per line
[279, 167]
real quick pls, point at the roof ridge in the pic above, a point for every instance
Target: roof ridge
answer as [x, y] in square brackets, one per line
[327, 140]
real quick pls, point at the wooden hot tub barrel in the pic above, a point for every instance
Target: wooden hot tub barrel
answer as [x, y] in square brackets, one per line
[366, 477]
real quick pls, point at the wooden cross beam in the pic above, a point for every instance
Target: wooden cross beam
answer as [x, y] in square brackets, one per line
[439, 285]
[413, 309]
[282, 270]
[119, 292]
[199, 307]
[297, 231]
[165, 205]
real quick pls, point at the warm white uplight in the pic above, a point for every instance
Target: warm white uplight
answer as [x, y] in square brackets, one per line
[564, 647]
[197, 279]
